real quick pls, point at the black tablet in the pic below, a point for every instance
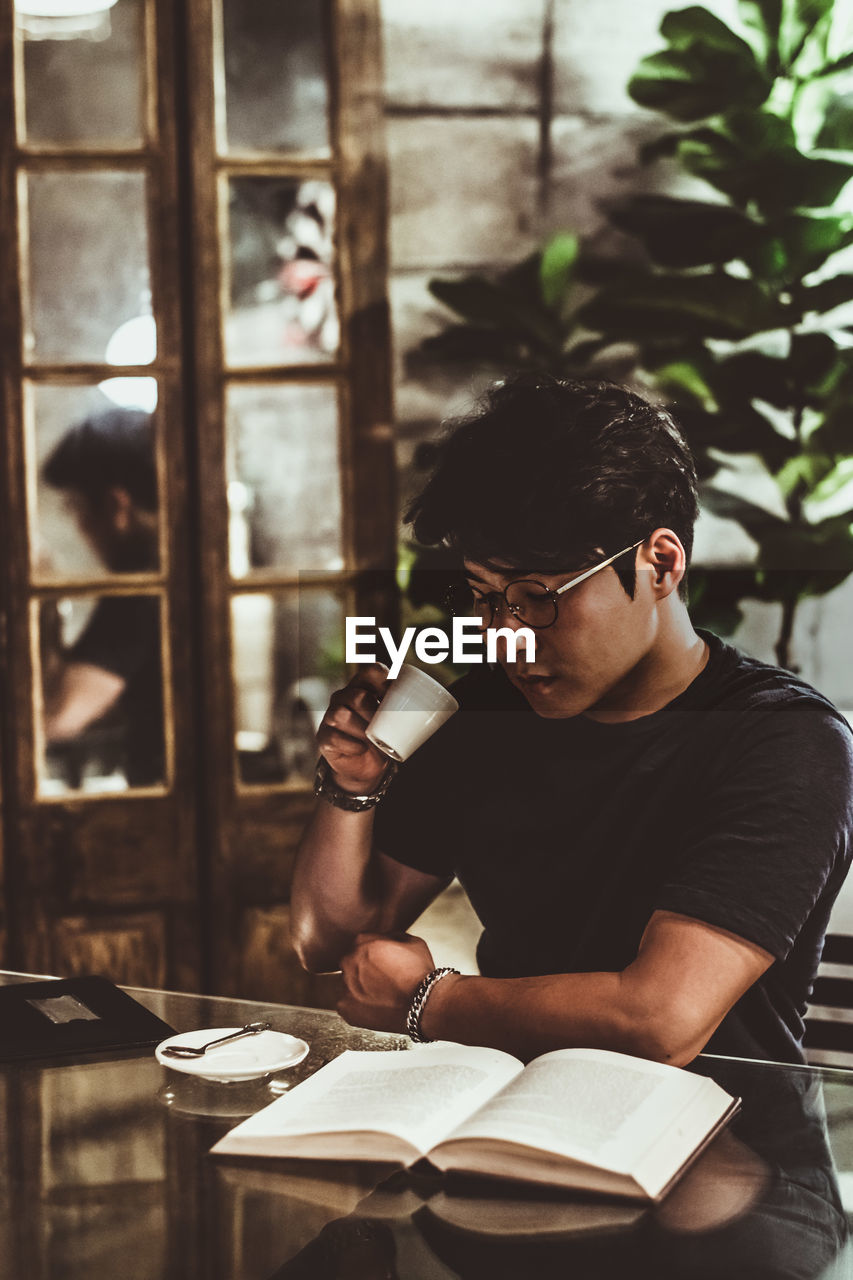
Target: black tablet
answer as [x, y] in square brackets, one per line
[62, 1017]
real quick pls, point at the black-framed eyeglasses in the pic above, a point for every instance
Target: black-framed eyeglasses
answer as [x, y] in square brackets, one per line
[529, 601]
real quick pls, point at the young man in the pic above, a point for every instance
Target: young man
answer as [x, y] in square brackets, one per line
[106, 465]
[651, 827]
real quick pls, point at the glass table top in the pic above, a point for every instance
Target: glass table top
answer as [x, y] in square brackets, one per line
[105, 1172]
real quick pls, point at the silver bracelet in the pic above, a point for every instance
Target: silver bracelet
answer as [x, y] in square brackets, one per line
[329, 791]
[419, 999]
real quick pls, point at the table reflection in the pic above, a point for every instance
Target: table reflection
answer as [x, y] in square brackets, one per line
[763, 1201]
[105, 1171]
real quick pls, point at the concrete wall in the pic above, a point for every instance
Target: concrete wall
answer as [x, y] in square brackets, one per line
[506, 120]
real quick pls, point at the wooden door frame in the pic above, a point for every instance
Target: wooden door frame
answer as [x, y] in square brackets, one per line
[254, 830]
[59, 860]
[247, 835]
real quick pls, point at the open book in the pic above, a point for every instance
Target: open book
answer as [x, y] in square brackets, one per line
[583, 1118]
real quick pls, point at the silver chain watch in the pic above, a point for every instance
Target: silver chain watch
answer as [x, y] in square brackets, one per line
[325, 787]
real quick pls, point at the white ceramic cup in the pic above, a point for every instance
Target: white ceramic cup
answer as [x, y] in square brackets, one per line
[413, 707]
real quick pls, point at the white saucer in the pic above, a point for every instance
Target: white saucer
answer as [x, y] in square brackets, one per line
[245, 1059]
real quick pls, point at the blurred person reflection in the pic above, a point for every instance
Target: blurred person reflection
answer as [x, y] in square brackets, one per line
[110, 677]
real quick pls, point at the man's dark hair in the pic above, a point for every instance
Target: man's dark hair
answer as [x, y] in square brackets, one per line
[107, 449]
[546, 475]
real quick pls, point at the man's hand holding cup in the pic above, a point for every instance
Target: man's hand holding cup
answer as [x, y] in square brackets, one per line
[356, 764]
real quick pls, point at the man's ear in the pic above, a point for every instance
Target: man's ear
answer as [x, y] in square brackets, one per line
[664, 554]
[119, 508]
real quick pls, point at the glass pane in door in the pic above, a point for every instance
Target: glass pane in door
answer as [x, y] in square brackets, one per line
[281, 305]
[275, 69]
[83, 76]
[87, 287]
[94, 501]
[288, 655]
[284, 487]
[101, 710]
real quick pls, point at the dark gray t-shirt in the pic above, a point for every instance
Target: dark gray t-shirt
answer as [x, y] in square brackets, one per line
[123, 636]
[732, 805]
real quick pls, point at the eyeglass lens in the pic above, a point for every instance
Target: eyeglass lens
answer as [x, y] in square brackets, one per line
[528, 601]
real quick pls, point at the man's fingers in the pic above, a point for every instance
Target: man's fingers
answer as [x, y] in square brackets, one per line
[345, 1008]
[347, 719]
[341, 744]
[363, 701]
[349, 973]
[374, 678]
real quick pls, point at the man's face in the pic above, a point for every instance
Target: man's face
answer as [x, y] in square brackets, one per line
[95, 522]
[121, 533]
[590, 658]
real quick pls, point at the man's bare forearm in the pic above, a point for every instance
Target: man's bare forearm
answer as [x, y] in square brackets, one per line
[530, 1016]
[665, 1005]
[342, 886]
[336, 891]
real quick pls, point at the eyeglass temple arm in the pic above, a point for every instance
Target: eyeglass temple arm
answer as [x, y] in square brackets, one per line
[595, 568]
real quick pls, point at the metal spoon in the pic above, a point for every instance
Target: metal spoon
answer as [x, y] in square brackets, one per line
[193, 1051]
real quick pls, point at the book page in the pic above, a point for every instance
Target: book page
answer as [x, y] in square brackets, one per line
[419, 1095]
[591, 1105]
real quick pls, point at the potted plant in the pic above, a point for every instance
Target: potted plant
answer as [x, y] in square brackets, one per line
[739, 311]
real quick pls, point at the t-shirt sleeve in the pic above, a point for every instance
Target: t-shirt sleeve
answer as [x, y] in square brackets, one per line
[121, 635]
[772, 829]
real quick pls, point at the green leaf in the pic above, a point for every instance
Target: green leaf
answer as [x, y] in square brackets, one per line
[735, 429]
[835, 481]
[659, 148]
[797, 244]
[779, 381]
[688, 233]
[490, 304]
[752, 156]
[471, 344]
[731, 506]
[706, 306]
[802, 473]
[759, 132]
[473, 298]
[812, 558]
[696, 83]
[578, 354]
[685, 376]
[557, 266]
[781, 418]
[707, 69]
[698, 27]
